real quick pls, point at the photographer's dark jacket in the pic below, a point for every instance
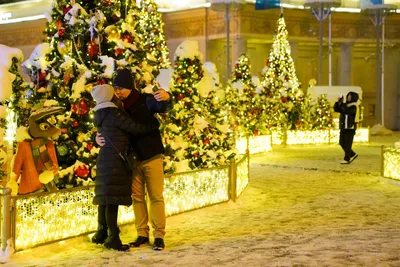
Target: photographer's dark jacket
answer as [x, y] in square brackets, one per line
[141, 108]
[349, 112]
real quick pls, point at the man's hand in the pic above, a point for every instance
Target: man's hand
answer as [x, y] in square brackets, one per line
[100, 139]
[161, 95]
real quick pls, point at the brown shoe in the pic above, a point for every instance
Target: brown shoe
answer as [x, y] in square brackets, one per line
[140, 241]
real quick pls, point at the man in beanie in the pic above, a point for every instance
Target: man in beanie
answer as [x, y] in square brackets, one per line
[147, 155]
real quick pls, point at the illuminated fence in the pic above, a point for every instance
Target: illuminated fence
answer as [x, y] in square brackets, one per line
[390, 165]
[257, 144]
[329, 136]
[39, 218]
[263, 143]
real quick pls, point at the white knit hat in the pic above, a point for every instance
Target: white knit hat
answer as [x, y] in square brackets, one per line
[102, 93]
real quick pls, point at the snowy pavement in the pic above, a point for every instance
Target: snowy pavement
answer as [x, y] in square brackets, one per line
[301, 208]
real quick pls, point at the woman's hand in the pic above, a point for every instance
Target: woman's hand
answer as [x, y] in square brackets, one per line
[161, 95]
[100, 139]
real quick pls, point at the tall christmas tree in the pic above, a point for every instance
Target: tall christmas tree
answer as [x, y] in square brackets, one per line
[322, 114]
[243, 101]
[281, 90]
[88, 41]
[153, 33]
[191, 140]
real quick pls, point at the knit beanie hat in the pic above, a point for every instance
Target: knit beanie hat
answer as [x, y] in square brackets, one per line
[102, 93]
[124, 79]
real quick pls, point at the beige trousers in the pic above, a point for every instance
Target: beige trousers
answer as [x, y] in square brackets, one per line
[149, 174]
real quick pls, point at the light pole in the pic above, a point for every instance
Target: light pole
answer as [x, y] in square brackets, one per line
[377, 14]
[226, 6]
[321, 9]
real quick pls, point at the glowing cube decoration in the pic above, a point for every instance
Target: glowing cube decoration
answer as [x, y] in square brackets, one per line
[391, 163]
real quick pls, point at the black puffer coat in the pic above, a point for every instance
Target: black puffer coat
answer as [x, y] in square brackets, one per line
[113, 182]
[348, 112]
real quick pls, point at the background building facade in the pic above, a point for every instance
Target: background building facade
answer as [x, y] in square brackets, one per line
[251, 31]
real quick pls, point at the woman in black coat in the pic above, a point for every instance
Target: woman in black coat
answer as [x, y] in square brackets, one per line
[113, 179]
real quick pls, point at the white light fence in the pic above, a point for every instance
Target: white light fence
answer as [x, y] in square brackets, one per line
[40, 218]
[328, 136]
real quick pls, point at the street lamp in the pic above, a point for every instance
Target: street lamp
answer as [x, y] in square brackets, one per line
[377, 14]
[322, 9]
[227, 6]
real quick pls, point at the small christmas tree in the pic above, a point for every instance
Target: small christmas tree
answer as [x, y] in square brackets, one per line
[153, 33]
[322, 114]
[281, 90]
[192, 141]
[188, 72]
[243, 101]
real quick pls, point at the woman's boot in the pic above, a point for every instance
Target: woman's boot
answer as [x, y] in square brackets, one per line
[101, 235]
[113, 241]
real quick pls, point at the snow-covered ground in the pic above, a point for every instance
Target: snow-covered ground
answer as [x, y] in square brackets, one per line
[301, 208]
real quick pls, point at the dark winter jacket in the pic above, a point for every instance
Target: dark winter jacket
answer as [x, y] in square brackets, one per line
[348, 112]
[141, 108]
[113, 182]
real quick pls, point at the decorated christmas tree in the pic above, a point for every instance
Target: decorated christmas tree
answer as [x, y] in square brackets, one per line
[281, 92]
[153, 33]
[191, 140]
[322, 114]
[243, 101]
[87, 42]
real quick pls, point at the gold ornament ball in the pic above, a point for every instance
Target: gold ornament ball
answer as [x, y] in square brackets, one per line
[64, 47]
[113, 34]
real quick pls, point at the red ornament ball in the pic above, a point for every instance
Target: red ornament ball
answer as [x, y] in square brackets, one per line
[127, 37]
[61, 32]
[179, 96]
[75, 124]
[206, 142]
[93, 49]
[42, 76]
[255, 132]
[89, 146]
[82, 171]
[119, 51]
[83, 107]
